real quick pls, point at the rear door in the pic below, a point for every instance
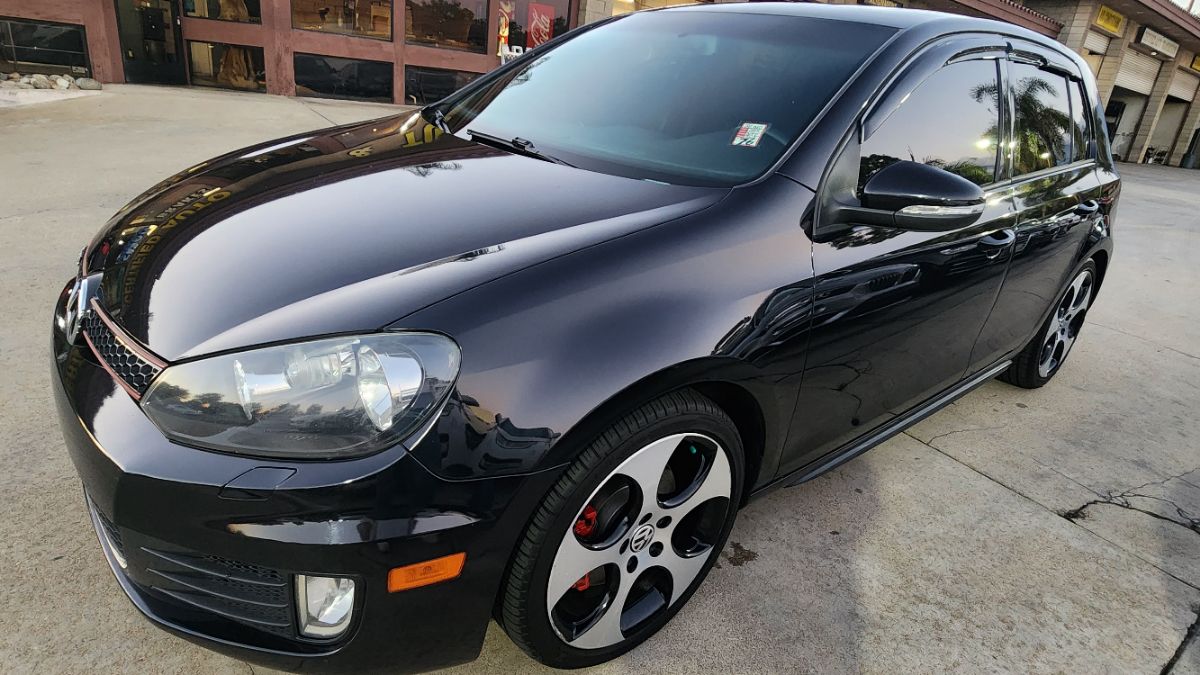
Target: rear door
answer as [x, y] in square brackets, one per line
[897, 312]
[1055, 190]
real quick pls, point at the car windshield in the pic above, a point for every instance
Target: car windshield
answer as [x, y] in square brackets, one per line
[688, 97]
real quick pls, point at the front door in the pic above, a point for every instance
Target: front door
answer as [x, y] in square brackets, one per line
[897, 312]
[151, 46]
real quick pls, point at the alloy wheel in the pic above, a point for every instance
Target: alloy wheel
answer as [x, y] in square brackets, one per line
[1065, 324]
[640, 540]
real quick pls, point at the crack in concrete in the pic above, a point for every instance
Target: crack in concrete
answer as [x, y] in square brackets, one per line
[956, 431]
[1060, 473]
[1188, 638]
[1115, 500]
[316, 112]
[1144, 339]
[1081, 512]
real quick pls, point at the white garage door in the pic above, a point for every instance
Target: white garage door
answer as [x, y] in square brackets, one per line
[1184, 86]
[1138, 72]
[1095, 42]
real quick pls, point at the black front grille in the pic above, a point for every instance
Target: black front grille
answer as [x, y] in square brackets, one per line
[135, 371]
[249, 594]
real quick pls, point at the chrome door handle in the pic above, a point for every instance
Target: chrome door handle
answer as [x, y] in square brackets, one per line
[1087, 208]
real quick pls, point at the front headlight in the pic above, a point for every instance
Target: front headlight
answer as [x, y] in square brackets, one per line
[331, 398]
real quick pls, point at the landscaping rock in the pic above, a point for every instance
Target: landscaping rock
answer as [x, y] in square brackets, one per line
[9, 84]
[14, 76]
[60, 83]
[88, 83]
[40, 81]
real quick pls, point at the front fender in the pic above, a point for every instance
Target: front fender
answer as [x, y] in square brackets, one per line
[555, 352]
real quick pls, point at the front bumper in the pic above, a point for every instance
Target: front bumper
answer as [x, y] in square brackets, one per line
[211, 543]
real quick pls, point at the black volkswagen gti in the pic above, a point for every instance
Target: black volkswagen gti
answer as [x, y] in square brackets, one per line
[340, 398]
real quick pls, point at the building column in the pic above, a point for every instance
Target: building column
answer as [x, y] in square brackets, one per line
[1076, 18]
[277, 46]
[591, 11]
[1158, 98]
[1106, 79]
[1190, 122]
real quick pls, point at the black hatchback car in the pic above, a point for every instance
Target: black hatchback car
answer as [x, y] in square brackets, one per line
[339, 399]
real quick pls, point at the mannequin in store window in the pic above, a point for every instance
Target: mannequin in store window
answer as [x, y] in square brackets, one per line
[236, 69]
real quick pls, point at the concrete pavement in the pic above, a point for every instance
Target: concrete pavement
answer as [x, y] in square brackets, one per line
[1016, 531]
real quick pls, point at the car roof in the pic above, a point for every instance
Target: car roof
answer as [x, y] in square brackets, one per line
[884, 16]
[894, 17]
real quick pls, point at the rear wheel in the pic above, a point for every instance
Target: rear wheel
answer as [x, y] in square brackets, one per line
[1044, 355]
[626, 535]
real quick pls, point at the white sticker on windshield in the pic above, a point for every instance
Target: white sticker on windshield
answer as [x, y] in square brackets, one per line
[749, 134]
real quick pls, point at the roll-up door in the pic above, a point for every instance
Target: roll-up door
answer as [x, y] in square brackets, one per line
[1138, 72]
[1184, 86]
[1095, 42]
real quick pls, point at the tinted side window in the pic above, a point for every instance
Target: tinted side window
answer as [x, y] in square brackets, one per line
[1043, 122]
[950, 121]
[1081, 128]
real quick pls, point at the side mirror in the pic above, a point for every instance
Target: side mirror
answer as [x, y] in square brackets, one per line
[914, 196]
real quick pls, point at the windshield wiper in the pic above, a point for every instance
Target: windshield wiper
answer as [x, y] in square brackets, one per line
[516, 145]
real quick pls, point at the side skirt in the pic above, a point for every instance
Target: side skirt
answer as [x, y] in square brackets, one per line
[855, 448]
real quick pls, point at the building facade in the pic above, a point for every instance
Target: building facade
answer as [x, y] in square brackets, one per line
[1145, 53]
[413, 51]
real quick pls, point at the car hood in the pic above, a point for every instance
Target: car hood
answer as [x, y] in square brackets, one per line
[348, 229]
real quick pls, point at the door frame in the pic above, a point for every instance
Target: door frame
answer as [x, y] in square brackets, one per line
[184, 76]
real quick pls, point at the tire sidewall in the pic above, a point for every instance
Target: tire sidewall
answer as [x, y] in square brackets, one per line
[550, 646]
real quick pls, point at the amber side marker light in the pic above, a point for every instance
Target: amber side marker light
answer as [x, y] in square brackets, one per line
[425, 573]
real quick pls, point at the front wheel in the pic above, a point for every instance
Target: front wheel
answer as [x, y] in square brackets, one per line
[626, 535]
[1044, 355]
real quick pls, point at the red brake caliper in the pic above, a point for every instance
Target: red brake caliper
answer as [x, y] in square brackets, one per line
[587, 522]
[584, 527]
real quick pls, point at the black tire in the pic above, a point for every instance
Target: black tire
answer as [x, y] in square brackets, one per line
[1027, 369]
[523, 611]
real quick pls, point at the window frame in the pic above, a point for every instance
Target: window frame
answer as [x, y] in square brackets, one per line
[488, 28]
[251, 22]
[336, 97]
[187, 44]
[291, 7]
[87, 57]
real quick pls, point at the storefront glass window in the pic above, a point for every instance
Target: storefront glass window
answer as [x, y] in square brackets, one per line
[364, 18]
[426, 85]
[457, 24]
[530, 22]
[228, 66]
[42, 47]
[332, 77]
[249, 11]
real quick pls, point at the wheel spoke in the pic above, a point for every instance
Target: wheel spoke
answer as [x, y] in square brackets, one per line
[683, 569]
[646, 466]
[607, 629]
[572, 562]
[715, 484]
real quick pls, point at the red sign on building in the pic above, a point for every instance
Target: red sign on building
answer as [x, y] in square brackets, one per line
[541, 25]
